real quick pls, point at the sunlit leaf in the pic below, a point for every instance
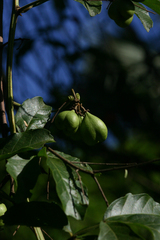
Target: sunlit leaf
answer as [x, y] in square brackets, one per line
[131, 217]
[144, 16]
[32, 114]
[71, 191]
[93, 7]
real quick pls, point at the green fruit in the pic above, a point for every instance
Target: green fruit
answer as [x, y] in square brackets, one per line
[122, 11]
[126, 8]
[113, 10]
[67, 121]
[77, 135]
[3, 209]
[78, 96]
[123, 23]
[71, 98]
[93, 130]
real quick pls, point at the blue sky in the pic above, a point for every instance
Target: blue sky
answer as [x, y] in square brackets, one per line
[87, 33]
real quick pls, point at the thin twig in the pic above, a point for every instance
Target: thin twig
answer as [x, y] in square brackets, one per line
[15, 40]
[16, 230]
[17, 104]
[101, 170]
[101, 190]
[108, 164]
[47, 234]
[126, 167]
[144, 9]
[30, 5]
[69, 162]
[58, 111]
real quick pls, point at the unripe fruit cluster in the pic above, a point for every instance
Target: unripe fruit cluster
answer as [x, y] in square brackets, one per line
[88, 128]
[122, 12]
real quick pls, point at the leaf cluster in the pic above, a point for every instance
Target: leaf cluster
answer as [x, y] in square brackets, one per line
[131, 216]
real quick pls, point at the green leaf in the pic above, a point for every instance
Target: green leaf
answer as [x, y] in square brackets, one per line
[71, 191]
[22, 142]
[25, 173]
[32, 114]
[116, 231]
[153, 4]
[144, 16]
[93, 7]
[37, 214]
[131, 217]
[15, 165]
[43, 159]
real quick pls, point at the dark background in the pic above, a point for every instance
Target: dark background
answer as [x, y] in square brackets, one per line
[117, 73]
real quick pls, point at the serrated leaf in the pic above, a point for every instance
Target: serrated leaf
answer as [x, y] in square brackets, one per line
[22, 142]
[153, 4]
[131, 217]
[74, 199]
[93, 7]
[144, 16]
[32, 114]
[36, 214]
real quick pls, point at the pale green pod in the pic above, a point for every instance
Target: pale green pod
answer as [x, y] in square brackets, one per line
[93, 130]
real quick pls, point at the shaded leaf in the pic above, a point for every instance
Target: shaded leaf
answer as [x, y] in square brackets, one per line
[88, 233]
[43, 159]
[37, 214]
[93, 7]
[68, 188]
[131, 217]
[22, 142]
[32, 114]
[25, 173]
[15, 165]
[143, 16]
[116, 231]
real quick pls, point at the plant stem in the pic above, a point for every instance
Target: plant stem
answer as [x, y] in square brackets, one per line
[30, 5]
[3, 120]
[100, 188]
[9, 66]
[39, 234]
